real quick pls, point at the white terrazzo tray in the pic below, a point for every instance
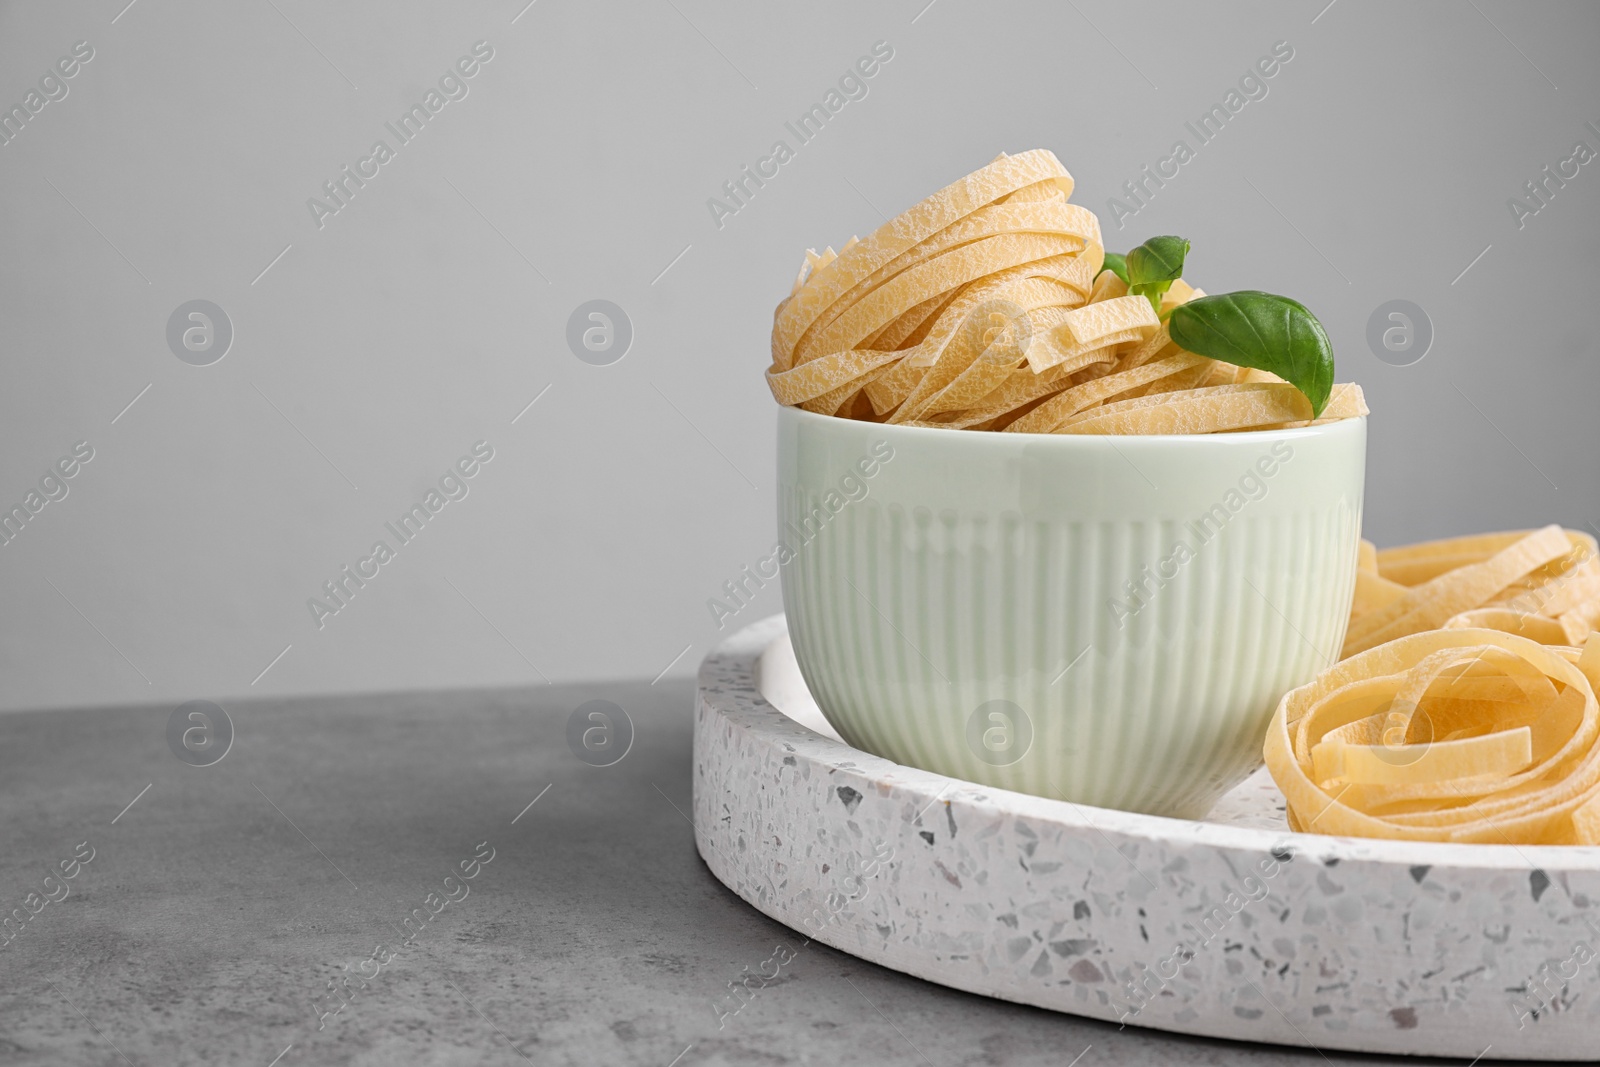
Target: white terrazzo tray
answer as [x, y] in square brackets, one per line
[1232, 927]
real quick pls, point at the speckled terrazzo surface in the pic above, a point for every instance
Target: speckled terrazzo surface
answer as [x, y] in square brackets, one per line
[1233, 930]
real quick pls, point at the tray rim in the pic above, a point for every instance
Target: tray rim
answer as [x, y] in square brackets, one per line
[743, 651]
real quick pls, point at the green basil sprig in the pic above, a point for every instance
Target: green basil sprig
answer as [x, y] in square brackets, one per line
[1117, 264]
[1248, 328]
[1154, 266]
[1261, 330]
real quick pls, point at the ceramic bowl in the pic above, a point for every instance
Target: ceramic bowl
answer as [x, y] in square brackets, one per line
[1106, 620]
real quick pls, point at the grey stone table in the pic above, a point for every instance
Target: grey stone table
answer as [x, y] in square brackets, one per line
[222, 903]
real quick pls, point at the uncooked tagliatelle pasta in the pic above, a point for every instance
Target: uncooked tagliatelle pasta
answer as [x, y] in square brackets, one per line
[984, 307]
[1464, 708]
[1540, 584]
[1463, 734]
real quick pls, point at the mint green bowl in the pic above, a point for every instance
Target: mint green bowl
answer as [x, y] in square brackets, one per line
[1106, 620]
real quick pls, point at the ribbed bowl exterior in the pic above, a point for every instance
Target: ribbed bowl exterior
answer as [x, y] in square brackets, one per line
[1016, 610]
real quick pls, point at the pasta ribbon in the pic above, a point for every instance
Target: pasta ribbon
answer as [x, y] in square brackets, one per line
[1540, 584]
[1465, 707]
[1462, 734]
[984, 307]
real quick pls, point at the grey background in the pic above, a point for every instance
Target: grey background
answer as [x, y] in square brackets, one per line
[428, 313]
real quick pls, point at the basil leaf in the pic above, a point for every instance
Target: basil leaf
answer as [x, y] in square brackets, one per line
[1154, 266]
[1117, 264]
[1261, 330]
[1159, 259]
